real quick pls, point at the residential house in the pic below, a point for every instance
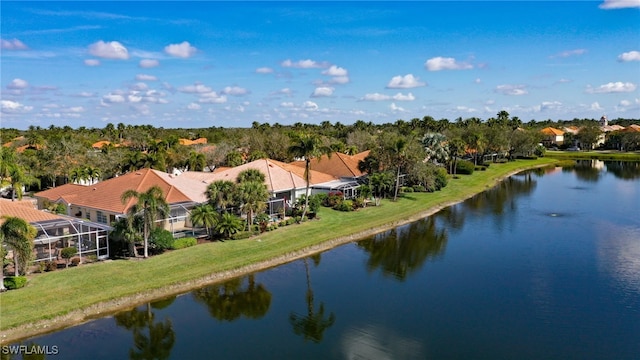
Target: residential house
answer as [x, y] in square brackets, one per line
[552, 136]
[56, 232]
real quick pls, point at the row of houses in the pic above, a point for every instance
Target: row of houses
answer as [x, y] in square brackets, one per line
[556, 137]
[91, 209]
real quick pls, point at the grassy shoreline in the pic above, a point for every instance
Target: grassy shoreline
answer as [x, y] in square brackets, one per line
[60, 299]
[595, 155]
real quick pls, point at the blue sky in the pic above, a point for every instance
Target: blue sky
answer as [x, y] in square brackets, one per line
[200, 64]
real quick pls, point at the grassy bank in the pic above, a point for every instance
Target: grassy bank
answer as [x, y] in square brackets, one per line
[595, 155]
[61, 298]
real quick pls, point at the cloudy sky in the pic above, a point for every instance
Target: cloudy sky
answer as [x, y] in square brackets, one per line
[201, 64]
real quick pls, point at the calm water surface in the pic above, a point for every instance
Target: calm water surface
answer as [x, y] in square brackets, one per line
[544, 266]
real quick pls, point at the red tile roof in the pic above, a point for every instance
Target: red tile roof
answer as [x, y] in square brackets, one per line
[24, 210]
[552, 131]
[338, 165]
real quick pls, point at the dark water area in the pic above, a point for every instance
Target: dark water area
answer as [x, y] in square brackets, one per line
[544, 266]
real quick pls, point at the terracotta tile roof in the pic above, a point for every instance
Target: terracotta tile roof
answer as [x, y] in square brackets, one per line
[24, 210]
[338, 165]
[187, 142]
[552, 131]
[279, 176]
[105, 195]
[632, 128]
[102, 143]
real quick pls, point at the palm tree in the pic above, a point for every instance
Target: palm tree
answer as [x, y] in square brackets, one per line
[436, 147]
[152, 205]
[229, 224]
[381, 183]
[125, 230]
[206, 215]
[18, 235]
[19, 179]
[250, 175]
[398, 151]
[221, 194]
[307, 147]
[254, 196]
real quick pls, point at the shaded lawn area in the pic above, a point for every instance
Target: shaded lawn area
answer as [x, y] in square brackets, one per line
[57, 293]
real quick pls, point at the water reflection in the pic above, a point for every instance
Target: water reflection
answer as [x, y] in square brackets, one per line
[625, 170]
[230, 300]
[503, 196]
[372, 342]
[313, 324]
[403, 250]
[151, 339]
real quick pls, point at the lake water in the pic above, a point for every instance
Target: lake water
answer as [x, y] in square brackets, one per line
[544, 266]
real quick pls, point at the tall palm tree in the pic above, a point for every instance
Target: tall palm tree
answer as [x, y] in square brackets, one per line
[398, 151]
[20, 178]
[205, 215]
[254, 196]
[250, 175]
[307, 147]
[152, 206]
[221, 194]
[18, 235]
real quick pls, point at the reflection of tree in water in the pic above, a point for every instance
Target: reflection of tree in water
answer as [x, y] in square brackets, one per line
[503, 195]
[403, 250]
[235, 298]
[151, 340]
[584, 170]
[313, 324]
[625, 170]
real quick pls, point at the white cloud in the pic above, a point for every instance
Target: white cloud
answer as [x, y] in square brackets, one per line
[339, 80]
[477, 81]
[18, 84]
[514, 90]
[264, 70]
[376, 97]
[13, 44]
[145, 77]
[92, 62]
[394, 107]
[212, 98]
[465, 109]
[629, 56]
[303, 64]
[612, 87]
[134, 97]
[182, 50]
[195, 89]
[84, 94]
[148, 63]
[619, 4]
[335, 71]
[596, 107]
[142, 109]
[235, 91]
[113, 98]
[310, 106]
[109, 50]
[194, 106]
[12, 107]
[401, 97]
[404, 82]
[549, 105]
[568, 53]
[624, 103]
[139, 86]
[442, 63]
[323, 91]
[286, 104]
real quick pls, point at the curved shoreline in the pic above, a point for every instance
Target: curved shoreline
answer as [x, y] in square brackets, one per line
[111, 307]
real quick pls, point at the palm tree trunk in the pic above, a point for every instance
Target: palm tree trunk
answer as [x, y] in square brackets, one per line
[15, 262]
[146, 241]
[395, 196]
[306, 197]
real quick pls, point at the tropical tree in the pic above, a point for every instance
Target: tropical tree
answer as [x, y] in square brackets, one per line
[307, 147]
[254, 196]
[228, 225]
[435, 144]
[399, 154]
[381, 183]
[221, 194]
[250, 175]
[205, 215]
[125, 230]
[151, 205]
[18, 235]
[19, 178]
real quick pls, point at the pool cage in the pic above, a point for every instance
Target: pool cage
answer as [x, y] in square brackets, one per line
[89, 238]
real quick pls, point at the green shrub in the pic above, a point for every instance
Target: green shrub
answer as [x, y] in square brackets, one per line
[184, 243]
[15, 282]
[441, 178]
[358, 202]
[160, 240]
[406, 189]
[291, 221]
[242, 235]
[346, 205]
[67, 253]
[464, 167]
[418, 188]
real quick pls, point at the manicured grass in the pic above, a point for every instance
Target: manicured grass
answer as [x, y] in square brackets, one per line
[594, 155]
[50, 295]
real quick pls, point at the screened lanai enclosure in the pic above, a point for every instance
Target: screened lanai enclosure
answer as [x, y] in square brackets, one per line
[89, 238]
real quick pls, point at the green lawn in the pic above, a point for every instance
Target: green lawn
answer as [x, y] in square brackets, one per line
[53, 294]
[595, 155]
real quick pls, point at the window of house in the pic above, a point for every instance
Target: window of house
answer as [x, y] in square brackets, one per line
[102, 218]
